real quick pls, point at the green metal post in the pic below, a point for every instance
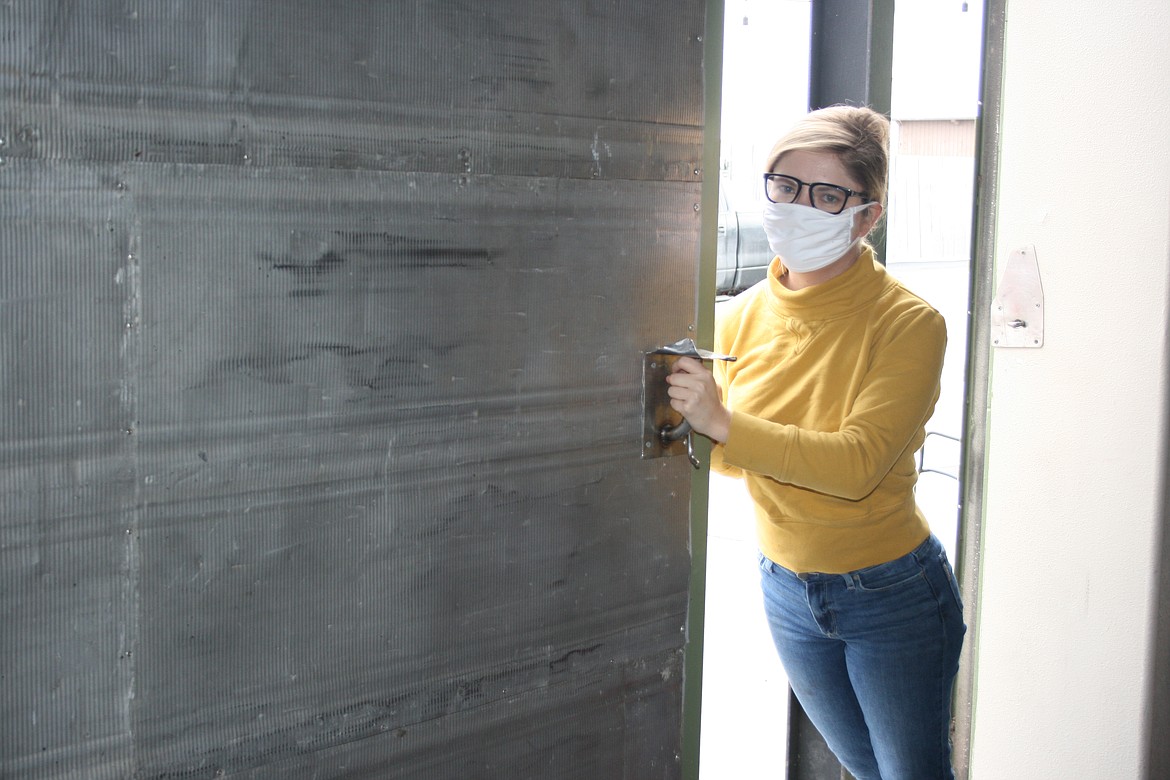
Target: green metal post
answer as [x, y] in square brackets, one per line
[704, 329]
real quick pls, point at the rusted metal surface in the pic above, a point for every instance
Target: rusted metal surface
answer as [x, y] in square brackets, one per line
[322, 333]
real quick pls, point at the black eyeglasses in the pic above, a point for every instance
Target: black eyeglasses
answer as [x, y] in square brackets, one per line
[824, 196]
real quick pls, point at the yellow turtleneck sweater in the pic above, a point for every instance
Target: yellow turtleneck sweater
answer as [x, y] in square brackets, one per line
[829, 398]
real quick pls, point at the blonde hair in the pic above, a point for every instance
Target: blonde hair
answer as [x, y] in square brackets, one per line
[858, 137]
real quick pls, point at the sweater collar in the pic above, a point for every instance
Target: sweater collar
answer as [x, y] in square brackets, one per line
[865, 280]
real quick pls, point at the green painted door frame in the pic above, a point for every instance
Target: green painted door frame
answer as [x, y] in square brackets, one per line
[704, 330]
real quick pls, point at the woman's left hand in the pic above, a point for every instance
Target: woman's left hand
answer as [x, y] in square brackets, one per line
[694, 394]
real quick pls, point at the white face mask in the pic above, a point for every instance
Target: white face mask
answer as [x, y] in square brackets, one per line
[808, 239]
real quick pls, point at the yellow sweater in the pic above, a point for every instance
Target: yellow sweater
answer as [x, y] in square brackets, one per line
[829, 399]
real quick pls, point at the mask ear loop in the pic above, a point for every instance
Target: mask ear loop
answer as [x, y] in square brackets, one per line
[861, 210]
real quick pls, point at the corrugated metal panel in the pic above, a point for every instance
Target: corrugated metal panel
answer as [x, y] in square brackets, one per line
[322, 327]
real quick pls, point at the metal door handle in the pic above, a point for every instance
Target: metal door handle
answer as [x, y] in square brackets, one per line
[661, 434]
[669, 433]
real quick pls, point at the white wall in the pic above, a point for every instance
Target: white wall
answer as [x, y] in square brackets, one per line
[1073, 432]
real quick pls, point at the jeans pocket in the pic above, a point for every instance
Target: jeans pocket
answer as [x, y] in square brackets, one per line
[886, 584]
[951, 579]
[889, 576]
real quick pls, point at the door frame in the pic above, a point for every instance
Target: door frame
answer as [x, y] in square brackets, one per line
[704, 330]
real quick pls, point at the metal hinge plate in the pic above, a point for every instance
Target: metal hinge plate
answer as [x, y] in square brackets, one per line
[1017, 314]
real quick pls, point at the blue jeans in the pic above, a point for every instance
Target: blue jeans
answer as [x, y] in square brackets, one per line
[871, 655]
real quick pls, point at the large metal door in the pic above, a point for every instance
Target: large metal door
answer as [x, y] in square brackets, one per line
[322, 326]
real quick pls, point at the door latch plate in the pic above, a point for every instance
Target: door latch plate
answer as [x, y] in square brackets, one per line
[657, 414]
[656, 411]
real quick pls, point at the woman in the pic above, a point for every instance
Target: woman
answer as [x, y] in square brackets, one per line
[821, 415]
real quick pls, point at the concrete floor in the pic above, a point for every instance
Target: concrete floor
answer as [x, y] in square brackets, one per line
[745, 692]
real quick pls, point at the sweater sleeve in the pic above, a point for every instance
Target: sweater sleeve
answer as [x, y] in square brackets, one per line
[719, 368]
[895, 399]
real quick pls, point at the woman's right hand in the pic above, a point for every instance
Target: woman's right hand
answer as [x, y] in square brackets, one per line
[695, 395]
